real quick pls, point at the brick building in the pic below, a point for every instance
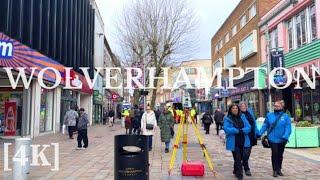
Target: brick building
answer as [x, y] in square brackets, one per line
[237, 44]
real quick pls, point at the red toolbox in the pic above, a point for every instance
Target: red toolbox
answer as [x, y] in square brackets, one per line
[192, 169]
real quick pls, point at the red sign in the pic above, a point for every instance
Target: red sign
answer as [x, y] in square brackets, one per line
[10, 115]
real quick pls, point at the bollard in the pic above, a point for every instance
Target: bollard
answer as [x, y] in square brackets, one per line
[131, 157]
[20, 170]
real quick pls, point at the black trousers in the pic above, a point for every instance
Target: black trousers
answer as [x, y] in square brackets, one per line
[246, 156]
[136, 131]
[238, 156]
[71, 129]
[277, 150]
[82, 136]
[207, 128]
[219, 126]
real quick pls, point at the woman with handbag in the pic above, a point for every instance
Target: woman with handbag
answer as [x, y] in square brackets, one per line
[148, 125]
[237, 128]
[278, 127]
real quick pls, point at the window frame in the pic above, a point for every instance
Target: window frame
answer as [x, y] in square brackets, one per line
[251, 14]
[243, 23]
[234, 60]
[254, 45]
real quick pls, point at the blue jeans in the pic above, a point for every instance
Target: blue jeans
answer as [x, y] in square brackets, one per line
[149, 142]
[167, 145]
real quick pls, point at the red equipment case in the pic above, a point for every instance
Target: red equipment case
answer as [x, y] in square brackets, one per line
[192, 169]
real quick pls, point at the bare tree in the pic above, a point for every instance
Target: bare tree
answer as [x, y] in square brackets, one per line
[158, 32]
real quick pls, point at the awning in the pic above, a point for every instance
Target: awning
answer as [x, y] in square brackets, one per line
[15, 54]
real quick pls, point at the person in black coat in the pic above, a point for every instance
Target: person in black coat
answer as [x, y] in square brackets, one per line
[218, 119]
[252, 135]
[137, 120]
[207, 121]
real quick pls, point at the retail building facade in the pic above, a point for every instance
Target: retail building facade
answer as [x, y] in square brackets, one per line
[45, 34]
[237, 44]
[293, 27]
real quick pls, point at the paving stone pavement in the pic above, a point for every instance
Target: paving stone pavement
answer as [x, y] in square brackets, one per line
[97, 161]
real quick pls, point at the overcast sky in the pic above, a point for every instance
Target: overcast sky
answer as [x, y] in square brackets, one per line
[211, 15]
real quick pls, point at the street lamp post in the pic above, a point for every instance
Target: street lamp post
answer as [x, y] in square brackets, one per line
[268, 67]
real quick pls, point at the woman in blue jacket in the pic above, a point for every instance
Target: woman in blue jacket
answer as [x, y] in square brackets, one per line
[248, 113]
[236, 128]
[278, 127]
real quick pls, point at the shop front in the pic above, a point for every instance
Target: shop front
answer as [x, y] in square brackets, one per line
[31, 111]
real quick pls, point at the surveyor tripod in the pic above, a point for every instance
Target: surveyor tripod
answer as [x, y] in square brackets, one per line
[183, 131]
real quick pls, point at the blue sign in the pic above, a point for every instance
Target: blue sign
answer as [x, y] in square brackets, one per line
[6, 49]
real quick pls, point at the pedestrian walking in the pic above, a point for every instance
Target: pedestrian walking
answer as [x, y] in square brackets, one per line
[237, 129]
[194, 114]
[218, 119]
[82, 129]
[70, 120]
[111, 117]
[249, 114]
[166, 124]
[137, 121]
[278, 127]
[207, 121]
[148, 125]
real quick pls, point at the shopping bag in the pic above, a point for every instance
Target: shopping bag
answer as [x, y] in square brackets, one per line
[64, 129]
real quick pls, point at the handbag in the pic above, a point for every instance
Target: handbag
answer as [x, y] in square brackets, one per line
[149, 126]
[172, 131]
[264, 139]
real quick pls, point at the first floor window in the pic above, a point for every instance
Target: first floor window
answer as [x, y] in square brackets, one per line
[248, 45]
[229, 58]
[313, 22]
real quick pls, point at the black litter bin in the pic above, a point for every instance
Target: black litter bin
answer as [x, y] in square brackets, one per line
[131, 157]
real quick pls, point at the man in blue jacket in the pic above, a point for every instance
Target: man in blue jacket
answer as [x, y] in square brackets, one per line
[237, 128]
[278, 127]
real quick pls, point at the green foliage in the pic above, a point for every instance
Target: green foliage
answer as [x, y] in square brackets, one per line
[304, 124]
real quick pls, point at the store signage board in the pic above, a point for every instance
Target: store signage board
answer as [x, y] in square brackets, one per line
[16, 55]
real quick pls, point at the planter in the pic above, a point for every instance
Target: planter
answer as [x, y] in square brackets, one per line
[307, 136]
[292, 142]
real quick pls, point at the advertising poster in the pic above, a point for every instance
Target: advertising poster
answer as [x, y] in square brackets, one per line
[10, 115]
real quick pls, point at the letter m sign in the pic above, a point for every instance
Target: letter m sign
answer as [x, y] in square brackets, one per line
[6, 49]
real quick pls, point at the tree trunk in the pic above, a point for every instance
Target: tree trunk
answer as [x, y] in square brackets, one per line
[136, 97]
[154, 93]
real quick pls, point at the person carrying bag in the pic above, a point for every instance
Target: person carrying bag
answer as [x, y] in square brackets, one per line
[278, 125]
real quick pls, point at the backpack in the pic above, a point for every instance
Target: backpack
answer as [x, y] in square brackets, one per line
[207, 119]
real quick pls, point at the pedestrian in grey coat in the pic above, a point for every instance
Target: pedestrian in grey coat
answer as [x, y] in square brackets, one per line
[82, 129]
[70, 120]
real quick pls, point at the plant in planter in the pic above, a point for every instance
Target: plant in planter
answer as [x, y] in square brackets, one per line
[307, 135]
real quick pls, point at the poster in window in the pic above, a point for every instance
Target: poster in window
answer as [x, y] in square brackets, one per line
[10, 114]
[277, 61]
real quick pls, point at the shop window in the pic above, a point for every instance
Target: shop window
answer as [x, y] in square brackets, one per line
[252, 100]
[307, 103]
[316, 104]
[46, 111]
[298, 106]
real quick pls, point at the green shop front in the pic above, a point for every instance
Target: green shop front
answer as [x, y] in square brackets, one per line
[97, 107]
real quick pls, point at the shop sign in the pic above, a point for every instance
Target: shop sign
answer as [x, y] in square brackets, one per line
[10, 115]
[6, 49]
[277, 61]
[242, 88]
[97, 97]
